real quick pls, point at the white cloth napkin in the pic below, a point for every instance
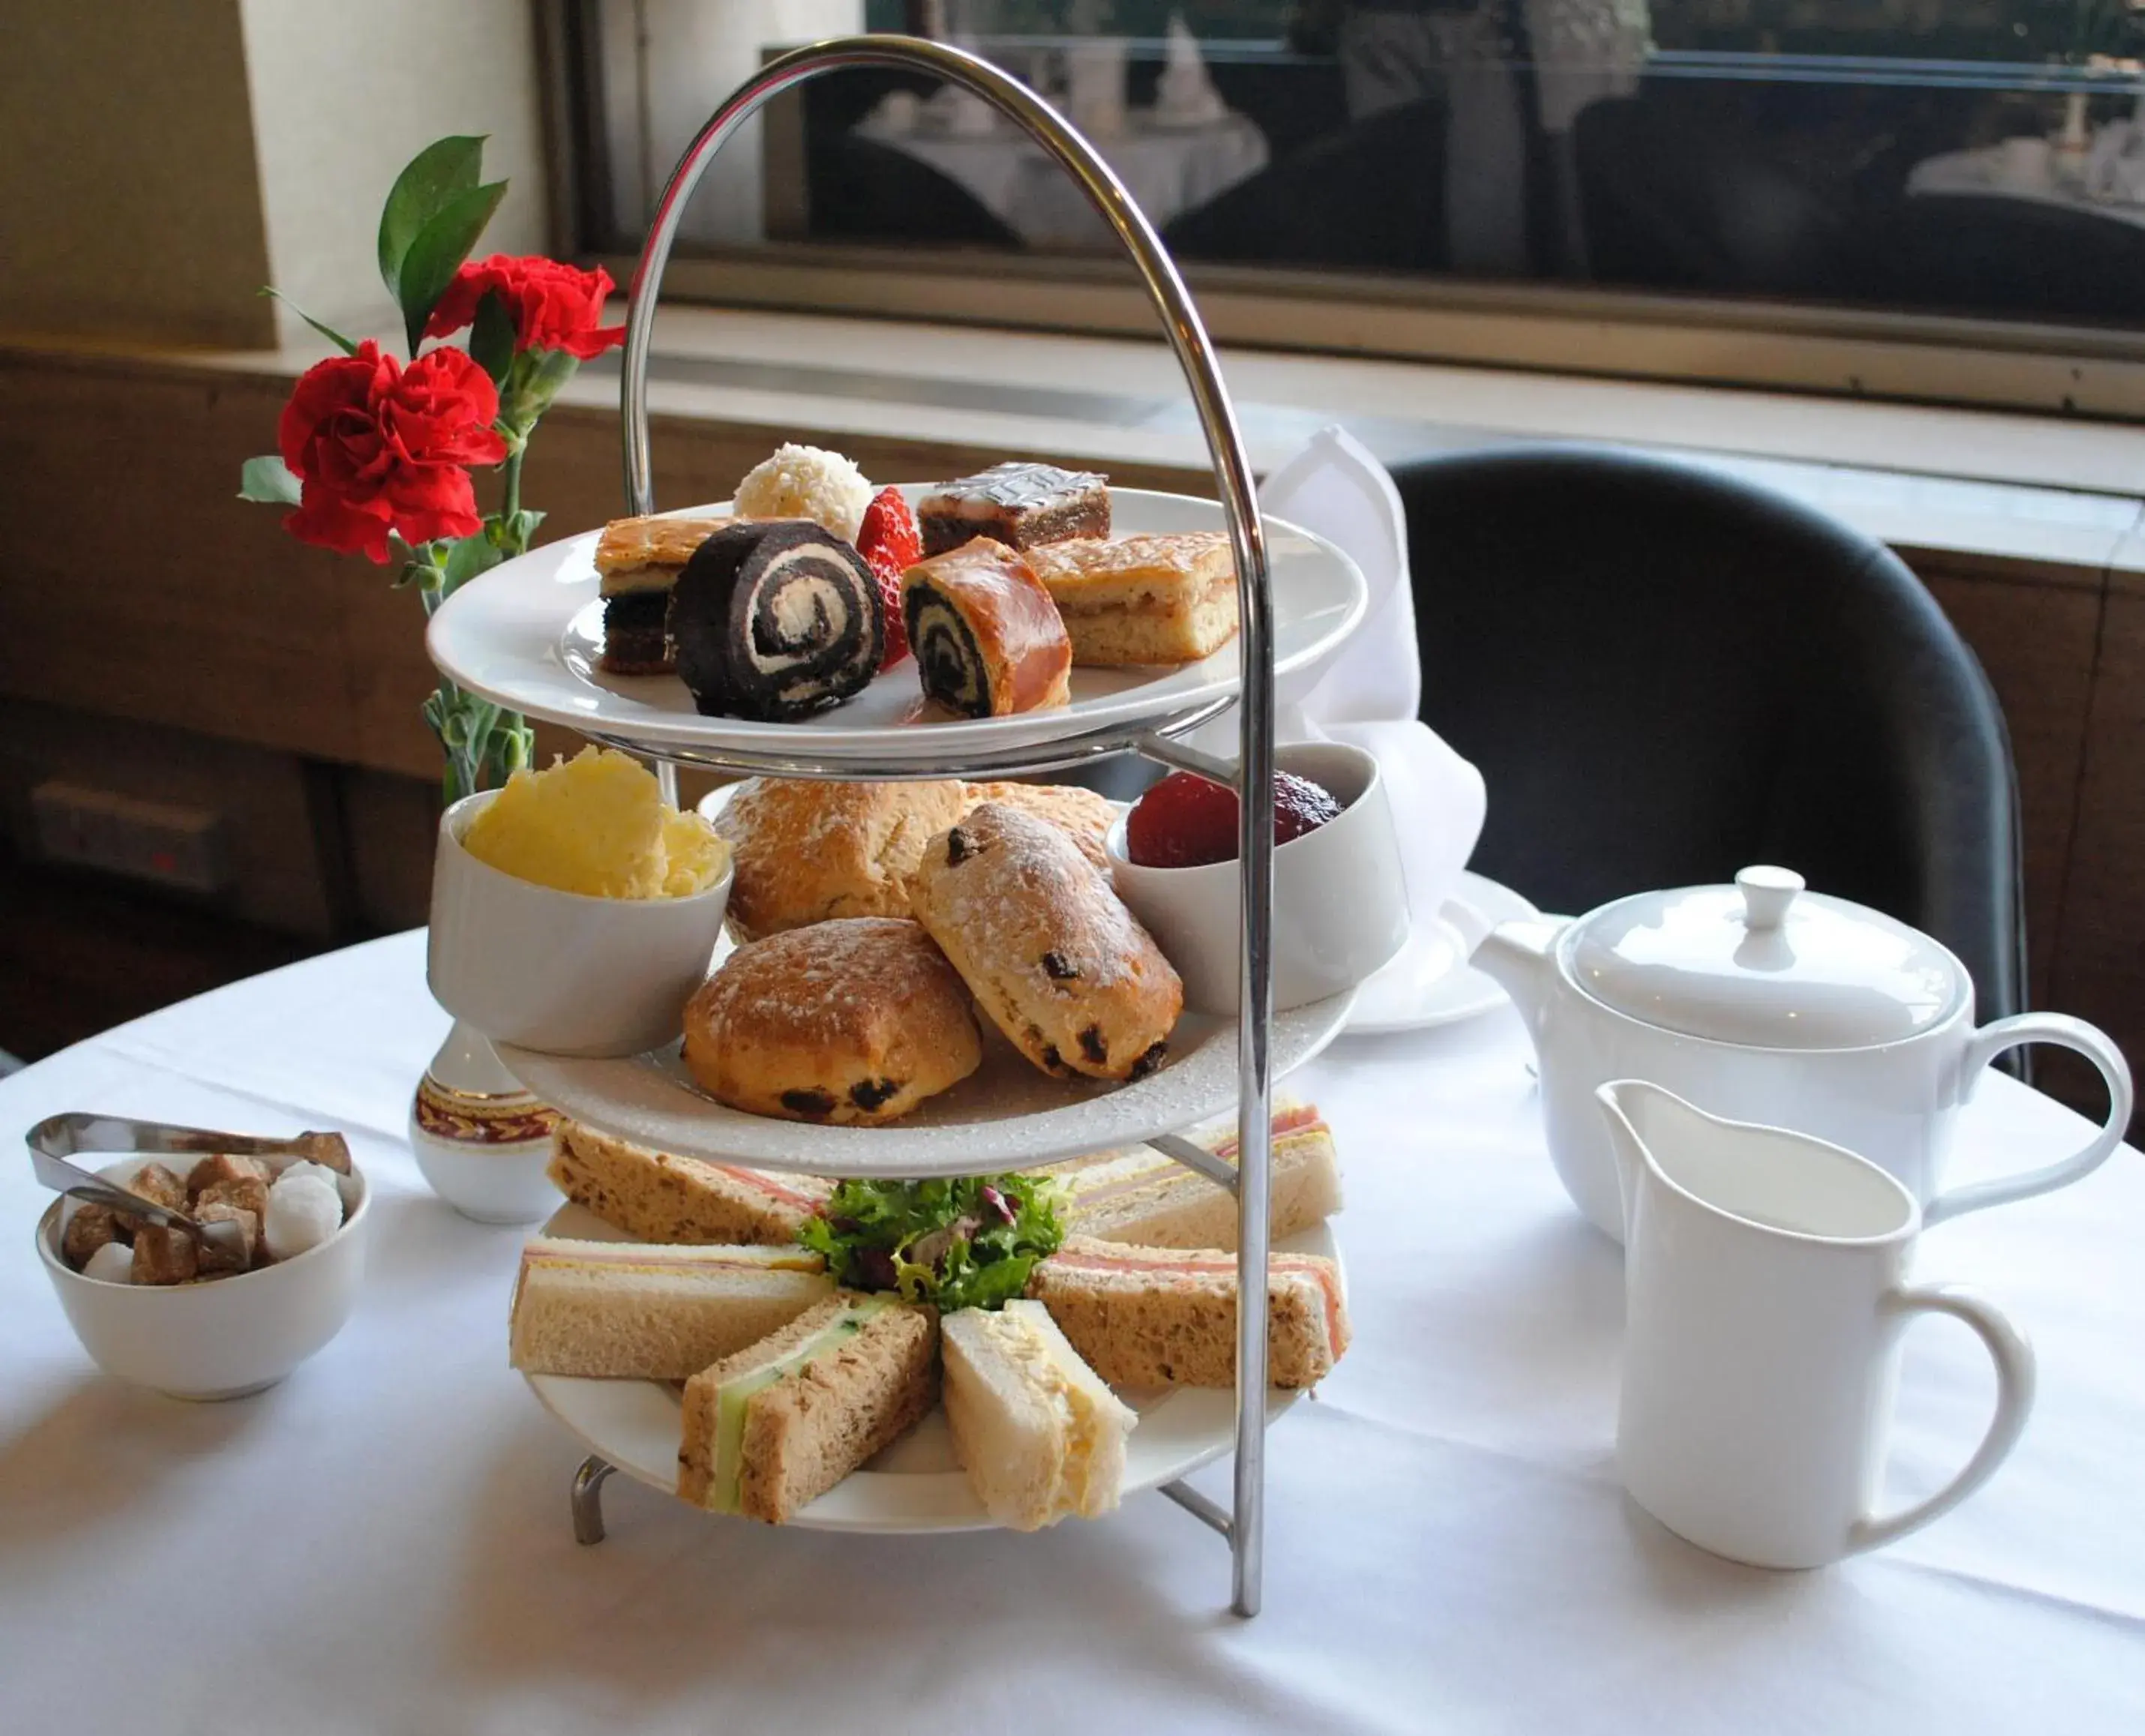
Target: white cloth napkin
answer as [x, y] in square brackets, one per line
[1367, 690]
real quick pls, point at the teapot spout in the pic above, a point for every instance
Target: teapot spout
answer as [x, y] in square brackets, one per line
[1516, 955]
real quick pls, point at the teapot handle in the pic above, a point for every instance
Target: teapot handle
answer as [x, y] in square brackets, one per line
[1983, 1047]
[2014, 1401]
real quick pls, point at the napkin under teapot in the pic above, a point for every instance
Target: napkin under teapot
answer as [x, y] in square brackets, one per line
[1367, 691]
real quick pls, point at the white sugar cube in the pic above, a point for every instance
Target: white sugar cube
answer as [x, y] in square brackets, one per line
[304, 1167]
[111, 1263]
[303, 1212]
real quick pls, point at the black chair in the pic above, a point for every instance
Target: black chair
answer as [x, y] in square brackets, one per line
[1975, 253]
[1370, 198]
[1665, 674]
[1675, 198]
[858, 189]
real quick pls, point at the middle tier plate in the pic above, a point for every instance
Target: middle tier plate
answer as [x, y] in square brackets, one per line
[1008, 1115]
[527, 634]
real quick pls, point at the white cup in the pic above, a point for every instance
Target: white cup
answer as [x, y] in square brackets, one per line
[556, 971]
[1339, 900]
[1765, 1301]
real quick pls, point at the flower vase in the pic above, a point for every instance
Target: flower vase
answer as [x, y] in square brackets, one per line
[481, 1140]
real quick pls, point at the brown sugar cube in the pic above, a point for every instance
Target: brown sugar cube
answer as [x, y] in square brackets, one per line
[156, 1185]
[164, 1256]
[212, 1171]
[214, 1262]
[88, 1230]
[248, 1193]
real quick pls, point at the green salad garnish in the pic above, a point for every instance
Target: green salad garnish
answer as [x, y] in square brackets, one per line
[963, 1241]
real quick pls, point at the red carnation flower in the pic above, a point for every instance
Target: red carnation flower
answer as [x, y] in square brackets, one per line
[379, 447]
[554, 306]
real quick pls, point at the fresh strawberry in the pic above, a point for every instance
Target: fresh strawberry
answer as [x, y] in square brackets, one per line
[890, 543]
[890, 527]
[888, 571]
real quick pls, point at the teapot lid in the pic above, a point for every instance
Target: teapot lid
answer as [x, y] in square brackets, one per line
[1765, 964]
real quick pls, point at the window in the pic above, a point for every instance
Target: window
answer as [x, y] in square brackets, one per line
[1875, 178]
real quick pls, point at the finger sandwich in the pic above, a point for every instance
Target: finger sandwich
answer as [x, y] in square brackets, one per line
[657, 1196]
[771, 1429]
[639, 1310]
[1145, 1197]
[1039, 1435]
[1146, 1316]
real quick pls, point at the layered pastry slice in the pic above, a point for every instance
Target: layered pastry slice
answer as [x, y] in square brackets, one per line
[1021, 505]
[1039, 1435]
[1142, 600]
[771, 1429]
[639, 1310]
[638, 561]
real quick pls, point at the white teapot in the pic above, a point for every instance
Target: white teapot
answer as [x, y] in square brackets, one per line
[1762, 1002]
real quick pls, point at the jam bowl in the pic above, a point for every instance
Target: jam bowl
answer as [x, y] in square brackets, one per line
[1339, 899]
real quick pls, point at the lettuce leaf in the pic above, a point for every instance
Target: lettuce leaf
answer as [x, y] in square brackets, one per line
[961, 1241]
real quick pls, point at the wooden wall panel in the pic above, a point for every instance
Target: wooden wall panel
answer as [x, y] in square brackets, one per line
[2100, 952]
[2035, 638]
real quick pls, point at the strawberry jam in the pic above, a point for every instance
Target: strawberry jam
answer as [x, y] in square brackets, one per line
[1186, 821]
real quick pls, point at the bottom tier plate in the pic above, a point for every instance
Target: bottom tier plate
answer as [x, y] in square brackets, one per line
[1008, 1115]
[914, 1485]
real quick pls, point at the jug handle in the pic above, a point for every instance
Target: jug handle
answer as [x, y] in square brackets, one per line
[1983, 1047]
[2015, 1376]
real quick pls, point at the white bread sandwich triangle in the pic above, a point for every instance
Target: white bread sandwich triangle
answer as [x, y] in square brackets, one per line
[640, 1310]
[1145, 1197]
[771, 1429]
[1147, 1316]
[1039, 1435]
[655, 1196]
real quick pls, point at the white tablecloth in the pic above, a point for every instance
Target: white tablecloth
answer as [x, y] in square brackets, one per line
[1168, 170]
[1982, 171]
[381, 1544]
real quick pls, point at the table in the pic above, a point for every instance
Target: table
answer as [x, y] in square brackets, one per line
[1166, 169]
[381, 1544]
[1982, 171]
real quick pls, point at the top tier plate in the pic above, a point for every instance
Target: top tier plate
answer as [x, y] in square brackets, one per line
[527, 635]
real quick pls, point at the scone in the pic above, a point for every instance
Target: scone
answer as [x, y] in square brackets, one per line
[808, 852]
[1052, 954]
[856, 1020]
[1142, 600]
[1080, 814]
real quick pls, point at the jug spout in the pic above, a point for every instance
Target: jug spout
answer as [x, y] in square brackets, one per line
[1622, 1103]
[1517, 955]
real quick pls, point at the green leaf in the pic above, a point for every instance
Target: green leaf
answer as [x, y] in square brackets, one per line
[491, 337]
[436, 175]
[437, 253]
[268, 480]
[328, 332]
[466, 559]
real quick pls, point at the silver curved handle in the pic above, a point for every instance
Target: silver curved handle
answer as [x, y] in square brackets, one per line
[1232, 478]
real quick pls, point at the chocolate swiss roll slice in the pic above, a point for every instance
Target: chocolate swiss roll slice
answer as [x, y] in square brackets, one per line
[774, 619]
[987, 636]
[1021, 505]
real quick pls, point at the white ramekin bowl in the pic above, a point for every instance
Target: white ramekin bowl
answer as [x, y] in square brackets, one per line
[558, 970]
[223, 1338]
[1340, 900]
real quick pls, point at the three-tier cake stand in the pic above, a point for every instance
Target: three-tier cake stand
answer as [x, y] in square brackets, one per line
[910, 754]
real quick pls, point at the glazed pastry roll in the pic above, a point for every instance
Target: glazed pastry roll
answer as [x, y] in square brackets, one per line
[774, 619]
[987, 636]
[1046, 946]
[638, 561]
[1142, 600]
[1021, 505]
